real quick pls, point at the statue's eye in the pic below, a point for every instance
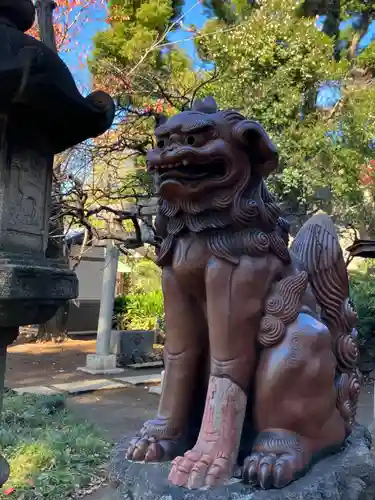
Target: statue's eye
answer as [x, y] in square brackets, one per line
[160, 144]
[190, 140]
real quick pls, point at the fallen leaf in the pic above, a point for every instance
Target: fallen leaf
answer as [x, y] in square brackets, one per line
[9, 491]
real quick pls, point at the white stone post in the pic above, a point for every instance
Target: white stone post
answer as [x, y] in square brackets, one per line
[107, 299]
[103, 361]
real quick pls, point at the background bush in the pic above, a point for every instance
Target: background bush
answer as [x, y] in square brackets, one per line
[141, 311]
[362, 292]
[142, 307]
[145, 276]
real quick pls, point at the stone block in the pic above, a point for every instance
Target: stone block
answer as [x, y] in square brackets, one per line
[37, 389]
[101, 364]
[157, 389]
[132, 346]
[148, 364]
[88, 386]
[140, 379]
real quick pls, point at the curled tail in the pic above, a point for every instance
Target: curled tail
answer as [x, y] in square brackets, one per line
[318, 249]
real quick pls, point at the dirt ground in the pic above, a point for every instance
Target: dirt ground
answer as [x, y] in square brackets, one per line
[50, 363]
[46, 363]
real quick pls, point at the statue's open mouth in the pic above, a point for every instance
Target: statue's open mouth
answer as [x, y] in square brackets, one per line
[193, 172]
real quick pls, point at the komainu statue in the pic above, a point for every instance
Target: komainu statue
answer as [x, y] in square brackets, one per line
[260, 358]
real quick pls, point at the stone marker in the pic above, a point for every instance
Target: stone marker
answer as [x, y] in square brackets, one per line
[261, 380]
[41, 113]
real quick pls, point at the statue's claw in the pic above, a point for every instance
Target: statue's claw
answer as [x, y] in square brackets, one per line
[266, 470]
[149, 450]
[271, 466]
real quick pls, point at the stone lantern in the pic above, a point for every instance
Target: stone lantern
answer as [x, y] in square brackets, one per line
[41, 113]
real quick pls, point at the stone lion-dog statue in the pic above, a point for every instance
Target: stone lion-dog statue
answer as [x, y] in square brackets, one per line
[260, 359]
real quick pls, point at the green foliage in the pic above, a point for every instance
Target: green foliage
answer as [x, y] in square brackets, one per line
[133, 46]
[271, 65]
[145, 276]
[270, 61]
[119, 306]
[51, 454]
[362, 287]
[143, 311]
[142, 307]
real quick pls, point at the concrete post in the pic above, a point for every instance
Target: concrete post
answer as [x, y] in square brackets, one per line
[107, 300]
[103, 361]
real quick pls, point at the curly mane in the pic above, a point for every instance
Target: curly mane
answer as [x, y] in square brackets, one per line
[249, 223]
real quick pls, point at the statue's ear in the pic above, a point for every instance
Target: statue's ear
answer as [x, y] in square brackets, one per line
[208, 105]
[263, 154]
[160, 119]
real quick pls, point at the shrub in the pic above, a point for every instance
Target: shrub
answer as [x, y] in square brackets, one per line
[145, 277]
[362, 291]
[119, 310]
[143, 311]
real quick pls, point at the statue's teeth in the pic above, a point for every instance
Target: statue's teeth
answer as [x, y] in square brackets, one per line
[185, 163]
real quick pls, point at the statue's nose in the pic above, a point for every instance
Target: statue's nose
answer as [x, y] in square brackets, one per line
[173, 142]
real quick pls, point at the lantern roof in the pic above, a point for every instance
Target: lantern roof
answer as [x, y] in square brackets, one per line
[37, 90]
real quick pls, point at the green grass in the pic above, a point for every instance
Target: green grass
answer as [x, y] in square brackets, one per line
[52, 454]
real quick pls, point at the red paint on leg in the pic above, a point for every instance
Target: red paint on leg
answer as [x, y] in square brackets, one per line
[212, 459]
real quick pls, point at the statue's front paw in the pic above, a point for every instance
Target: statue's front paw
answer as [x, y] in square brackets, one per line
[146, 449]
[155, 443]
[278, 458]
[197, 469]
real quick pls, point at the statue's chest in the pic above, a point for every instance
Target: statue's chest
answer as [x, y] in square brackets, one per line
[190, 257]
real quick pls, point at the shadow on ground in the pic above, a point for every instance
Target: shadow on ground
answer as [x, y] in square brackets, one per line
[116, 412]
[122, 412]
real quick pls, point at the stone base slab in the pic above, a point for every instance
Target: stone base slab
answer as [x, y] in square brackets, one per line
[149, 379]
[97, 364]
[39, 390]
[348, 475]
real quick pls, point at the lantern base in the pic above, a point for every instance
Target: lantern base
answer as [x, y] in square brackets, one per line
[4, 471]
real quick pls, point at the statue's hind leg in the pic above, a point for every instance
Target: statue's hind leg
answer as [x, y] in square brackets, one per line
[295, 406]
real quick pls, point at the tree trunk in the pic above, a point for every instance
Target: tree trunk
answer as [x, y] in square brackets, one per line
[331, 26]
[44, 9]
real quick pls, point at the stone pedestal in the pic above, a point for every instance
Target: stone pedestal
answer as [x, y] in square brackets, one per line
[348, 475]
[97, 364]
